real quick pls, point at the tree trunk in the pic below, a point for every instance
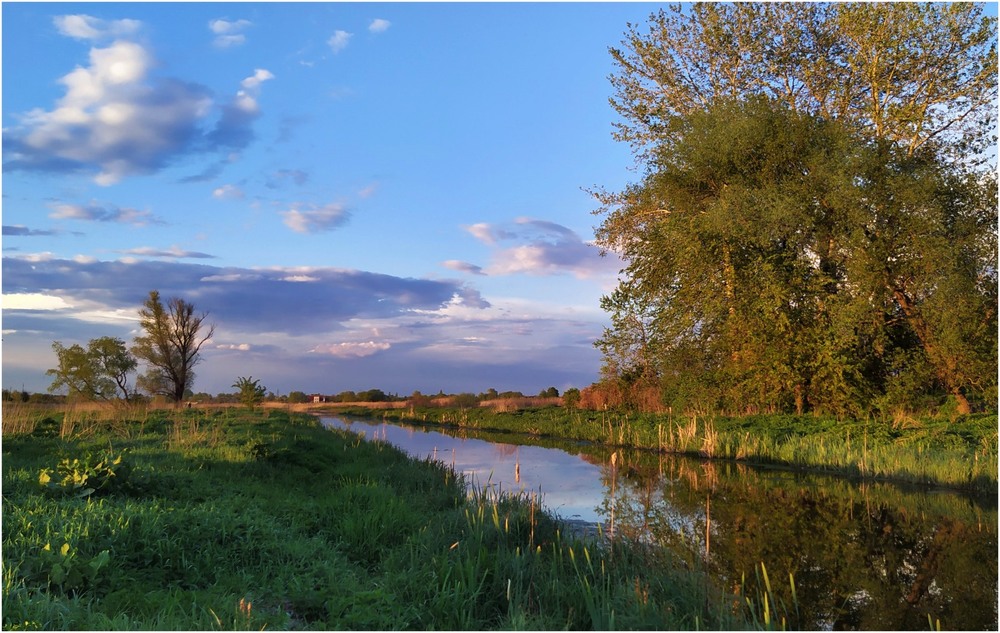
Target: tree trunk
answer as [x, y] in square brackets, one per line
[963, 403]
[942, 367]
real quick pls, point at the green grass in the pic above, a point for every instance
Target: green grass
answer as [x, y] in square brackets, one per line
[233, 520]
[959, 453]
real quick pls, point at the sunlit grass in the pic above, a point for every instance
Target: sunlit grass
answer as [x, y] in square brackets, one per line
[959, 453]
[239, 521]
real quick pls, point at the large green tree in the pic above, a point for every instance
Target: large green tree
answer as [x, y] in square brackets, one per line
[813, 228]
[99, 372]
[170, 346]
[915, 73]
[777, 261]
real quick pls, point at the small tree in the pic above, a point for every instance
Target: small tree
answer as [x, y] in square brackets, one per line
[251, 392]
[99, 372]
[571, 398]
[170, 346]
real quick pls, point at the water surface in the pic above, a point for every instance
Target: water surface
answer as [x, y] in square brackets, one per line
[863, 556]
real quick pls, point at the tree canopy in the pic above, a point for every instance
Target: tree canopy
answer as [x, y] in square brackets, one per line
[170, 346]
[99, 372]
[912, 73]
[804, 236]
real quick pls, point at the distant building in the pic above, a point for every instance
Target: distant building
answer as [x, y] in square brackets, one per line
[318, 398]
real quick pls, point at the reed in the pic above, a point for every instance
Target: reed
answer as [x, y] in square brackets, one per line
[959, 453]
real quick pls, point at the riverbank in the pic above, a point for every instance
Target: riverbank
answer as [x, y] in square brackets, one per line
[958, 454]
[225, 519]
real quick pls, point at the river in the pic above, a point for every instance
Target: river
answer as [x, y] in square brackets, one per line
[864, 556]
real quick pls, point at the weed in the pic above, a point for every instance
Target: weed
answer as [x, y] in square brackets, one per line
[94, 474]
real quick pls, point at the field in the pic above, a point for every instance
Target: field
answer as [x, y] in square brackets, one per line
[229, 519]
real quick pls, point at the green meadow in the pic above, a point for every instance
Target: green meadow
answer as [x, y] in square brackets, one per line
[230, 519]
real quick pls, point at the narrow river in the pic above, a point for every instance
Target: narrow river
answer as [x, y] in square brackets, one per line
[863, 556]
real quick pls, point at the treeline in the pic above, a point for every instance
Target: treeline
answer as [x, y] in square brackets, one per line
[418, 399]
[816, 225]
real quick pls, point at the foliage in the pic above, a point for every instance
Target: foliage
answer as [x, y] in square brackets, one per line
[571, 398]
[915, 74]
[251, 392]
[778, 262]
[813, 230]
[65, 569]
[94, 474]
[170, 345]
[99, 372]
[465, 401]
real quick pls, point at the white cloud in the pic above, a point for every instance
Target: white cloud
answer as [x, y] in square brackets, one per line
[234, 130]
[351, 350]
[241, 347]
[111, 117]
[86, 27]
[545, 248]
[34, 301]
[259, 76]
[228, 192]
[316, 219]
[338, 41]
[378, 25]
[487, 233]
[228, 33]
[225, 41]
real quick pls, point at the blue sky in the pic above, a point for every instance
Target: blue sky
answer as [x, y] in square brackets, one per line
[361, 195]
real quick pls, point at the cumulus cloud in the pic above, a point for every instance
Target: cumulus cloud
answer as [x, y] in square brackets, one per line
[112, 117]
[488, 233]
[98, 213]
[234, 129]
[228, 33]
[540, 248]
[316, 219]
[378, 25]
[86, 27]
[117, 120]
[338, 41]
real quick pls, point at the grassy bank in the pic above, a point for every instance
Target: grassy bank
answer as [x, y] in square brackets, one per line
[229, 520]
[959, 453]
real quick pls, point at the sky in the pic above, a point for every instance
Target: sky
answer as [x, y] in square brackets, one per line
[361, 196]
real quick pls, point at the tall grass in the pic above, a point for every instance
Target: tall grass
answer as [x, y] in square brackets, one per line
[960, 453]
[234, 521]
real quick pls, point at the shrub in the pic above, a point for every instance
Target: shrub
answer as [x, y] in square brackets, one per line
[94, 474]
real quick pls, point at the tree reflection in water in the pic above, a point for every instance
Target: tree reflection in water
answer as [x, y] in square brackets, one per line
[863, 556]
